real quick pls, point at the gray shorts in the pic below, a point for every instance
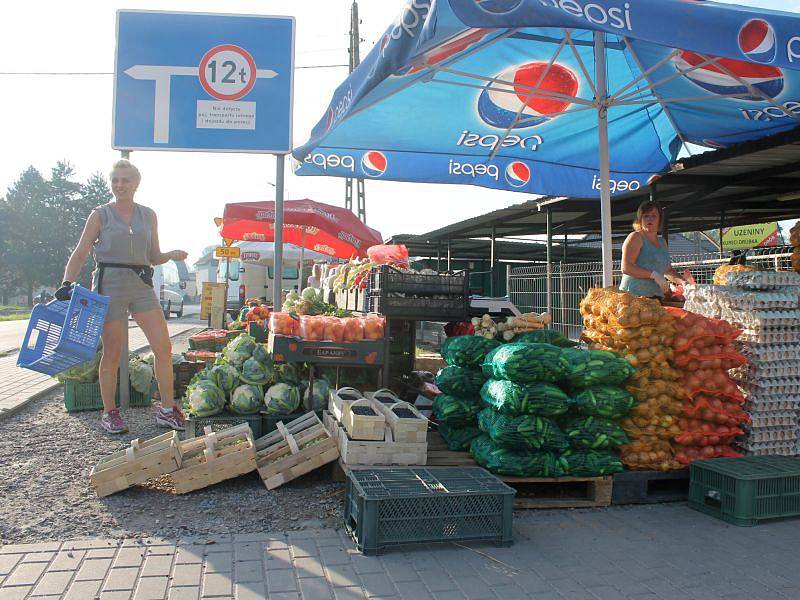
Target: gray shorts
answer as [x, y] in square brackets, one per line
[128, 293]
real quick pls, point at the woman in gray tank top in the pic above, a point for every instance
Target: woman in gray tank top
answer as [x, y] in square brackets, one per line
[125, 240]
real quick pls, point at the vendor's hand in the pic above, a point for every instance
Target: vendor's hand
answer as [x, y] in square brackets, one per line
[178, 255]
[64, 293]
[660, 280]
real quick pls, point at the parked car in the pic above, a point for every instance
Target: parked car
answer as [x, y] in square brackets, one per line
[169, 287]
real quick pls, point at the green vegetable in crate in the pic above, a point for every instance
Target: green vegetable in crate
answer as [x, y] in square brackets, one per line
[587, 368]
[201, 376]
[583, 463]
[318, 395]
[458, 439]
[281, 399]
[246, 399]
[255, 372]
[538, 398]
[594, 433]
[456, 412]
[606, 401]
[239, 349]
[261, 355]
[224, 376]
[204, 399]
[467, 351]
[545, 336]
[525, 363]
[458, 381]
[524, 432]
[82, 373]
[514, 463]
[141, 375]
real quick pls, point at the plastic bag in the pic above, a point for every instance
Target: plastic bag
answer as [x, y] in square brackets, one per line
[459, 381]
[389, 254]
[311, 327]
[353, 329]
[526, 363]
[605, 401]
[468, 351]
[514, 463]
[594, 433]
[333, 329]
[649, 456]
[281, 323]
[456, 412]
[509, 398]
[581, 463]
[458, 439]
[374, 327]
[524, 431]
[595, 367]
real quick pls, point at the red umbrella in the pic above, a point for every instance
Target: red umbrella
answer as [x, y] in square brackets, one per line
[324, 228]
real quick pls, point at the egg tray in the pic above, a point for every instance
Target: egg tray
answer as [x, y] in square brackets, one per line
[784, 418]
[757, 372]
[762, 280]
[757, 405]
[769, 353]
[720, 297]
[772, 434]
[789, 448]
[776, 387]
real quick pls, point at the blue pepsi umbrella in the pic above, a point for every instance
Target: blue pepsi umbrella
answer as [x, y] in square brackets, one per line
[558, 97]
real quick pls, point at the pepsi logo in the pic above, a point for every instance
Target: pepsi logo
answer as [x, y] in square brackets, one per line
[373, 163]
[499, 103]
[757, 41]
[518, 174]
[498, 7]
[730, 77]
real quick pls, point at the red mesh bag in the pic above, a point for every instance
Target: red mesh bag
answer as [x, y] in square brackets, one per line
[697, 331]
[714, 410]
[715, 382]
[686, 454]
[717, 356]
[695, 432]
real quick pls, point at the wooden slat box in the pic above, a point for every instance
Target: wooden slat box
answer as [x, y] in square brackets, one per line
[404, 429]
[294, 449]
[339, 401]
[364, 427]
[386, 452]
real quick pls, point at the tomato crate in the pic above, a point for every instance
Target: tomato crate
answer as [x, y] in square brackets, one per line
[393, 507]
[385, 278]
[744, 491]
[195, 426]
[86, 396]
[294, 349]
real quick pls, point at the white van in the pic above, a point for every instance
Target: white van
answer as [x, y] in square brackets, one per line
[168, 283]
[252, 280]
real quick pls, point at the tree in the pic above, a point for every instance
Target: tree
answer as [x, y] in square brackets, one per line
[43, 222]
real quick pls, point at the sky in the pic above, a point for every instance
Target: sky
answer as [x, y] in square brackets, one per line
[68, 117]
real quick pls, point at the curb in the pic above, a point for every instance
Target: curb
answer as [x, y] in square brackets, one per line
[15, 409]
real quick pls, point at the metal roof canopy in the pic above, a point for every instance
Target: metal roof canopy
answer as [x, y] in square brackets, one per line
[751, 182]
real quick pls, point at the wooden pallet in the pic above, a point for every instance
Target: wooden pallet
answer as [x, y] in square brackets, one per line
[364, 427]
[386, 452]
[294, 449]
[404, 429]
[561, 492]
[439, 455]
[215, 457]
[648, 487]
[136, 464]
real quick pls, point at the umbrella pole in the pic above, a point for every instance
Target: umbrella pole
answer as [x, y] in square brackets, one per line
[278, 257]
[605, 169]
[302, 257]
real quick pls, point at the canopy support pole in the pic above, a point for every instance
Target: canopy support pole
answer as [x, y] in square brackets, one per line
[721, 226]
[449, 253]
[278, 258]
[302, 257]
[549, 215]
[438, 256]
[605, 169]
[491, 264]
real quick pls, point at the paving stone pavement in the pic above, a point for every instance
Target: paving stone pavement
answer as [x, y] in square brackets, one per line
[657, 552]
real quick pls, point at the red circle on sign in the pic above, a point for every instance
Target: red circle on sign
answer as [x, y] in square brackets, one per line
[230, 48]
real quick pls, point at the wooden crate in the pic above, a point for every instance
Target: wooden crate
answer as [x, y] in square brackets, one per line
[294, 449]
[339, 401]
[561, 492]
[439, 455]
[215, 457]
[386, 452]
[136, 464]
[404, 429]
[365, 427]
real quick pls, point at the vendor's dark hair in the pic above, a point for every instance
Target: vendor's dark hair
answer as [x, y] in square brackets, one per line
[646, 207]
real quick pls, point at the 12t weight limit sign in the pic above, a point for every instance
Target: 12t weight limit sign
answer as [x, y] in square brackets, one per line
[227, 72]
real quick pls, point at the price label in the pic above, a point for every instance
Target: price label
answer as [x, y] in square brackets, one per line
[228, 252]
[227, 72]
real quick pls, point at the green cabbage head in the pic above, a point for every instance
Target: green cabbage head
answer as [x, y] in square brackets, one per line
[204, 399]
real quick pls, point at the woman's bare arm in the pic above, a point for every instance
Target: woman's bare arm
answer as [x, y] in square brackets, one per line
[630, 252]
[91, 231]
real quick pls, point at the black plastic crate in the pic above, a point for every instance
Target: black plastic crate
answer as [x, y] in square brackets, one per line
[195, 426]
[385, 278]
[394, 507]
[649, 487]
[452, 308]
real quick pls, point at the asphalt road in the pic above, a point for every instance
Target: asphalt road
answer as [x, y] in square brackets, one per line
[13, 332]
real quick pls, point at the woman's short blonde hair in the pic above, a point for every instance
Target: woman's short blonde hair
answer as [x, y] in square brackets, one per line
[124, 163]
[646, 207]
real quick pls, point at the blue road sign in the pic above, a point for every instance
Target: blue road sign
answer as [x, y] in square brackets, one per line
[203, 82]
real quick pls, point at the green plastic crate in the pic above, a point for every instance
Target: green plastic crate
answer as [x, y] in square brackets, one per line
[393, 507]
[86, 396]
[744, 491]
[195, 426]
